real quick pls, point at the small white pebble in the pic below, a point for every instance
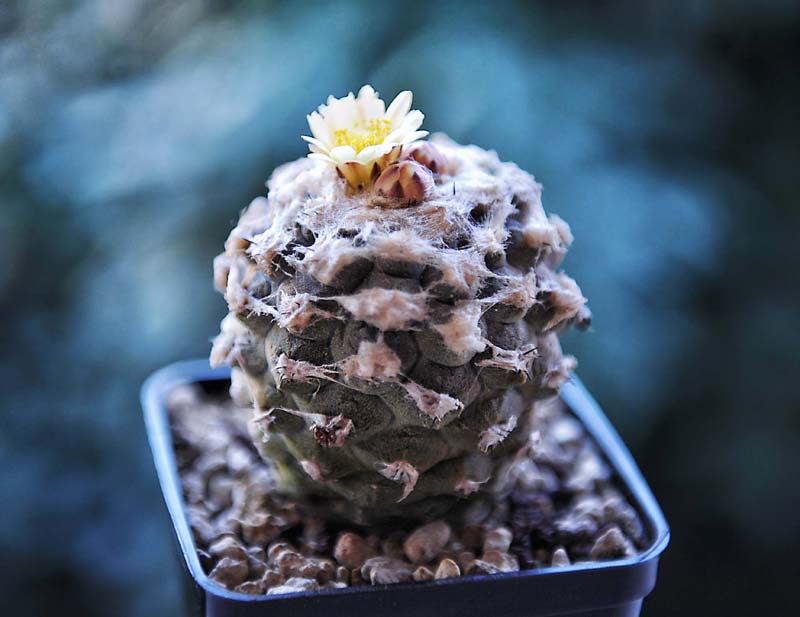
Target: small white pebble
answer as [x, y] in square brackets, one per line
[293, 585]
[447, 569]
[560, 557]
[612, 544]
[497, 539]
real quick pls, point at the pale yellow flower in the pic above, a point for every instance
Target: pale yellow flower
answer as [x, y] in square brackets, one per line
[360, 136]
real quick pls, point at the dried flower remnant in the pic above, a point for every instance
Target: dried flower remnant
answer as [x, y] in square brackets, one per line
[360, 136]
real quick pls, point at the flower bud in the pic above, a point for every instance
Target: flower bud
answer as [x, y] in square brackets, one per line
[425, 153]
[407, 181]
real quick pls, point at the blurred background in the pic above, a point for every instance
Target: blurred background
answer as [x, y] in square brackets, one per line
[132, 132]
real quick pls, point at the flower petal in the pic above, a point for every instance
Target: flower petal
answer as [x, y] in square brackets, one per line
[370, 153]
[415, 136]
[319, 128]
[404, 136]
[413, 120]
[367, 91]
[356, 174]
[359, 124]
[315, 142]
[342, 154]
[399, 107]
[370, 105]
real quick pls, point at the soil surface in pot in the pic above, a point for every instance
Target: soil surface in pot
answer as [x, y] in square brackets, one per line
[563, 506]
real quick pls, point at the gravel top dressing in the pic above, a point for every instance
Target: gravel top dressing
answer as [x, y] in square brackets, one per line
[560, 506]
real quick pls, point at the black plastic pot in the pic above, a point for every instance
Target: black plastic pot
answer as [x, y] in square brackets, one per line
[607, 589]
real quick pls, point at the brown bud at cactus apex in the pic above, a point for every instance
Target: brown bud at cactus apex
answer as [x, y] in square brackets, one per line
[425, 153]
[406, 181]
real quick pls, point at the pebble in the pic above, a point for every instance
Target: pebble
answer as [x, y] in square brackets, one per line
[576, 526]
[503, 561]
[194, 487]
[290, 563]
[616, 509]
[566, 430]
[590, 505]
[212, 462]
[293, 585]
[423, 573]
[342, 574]
[256, 588]
[229, 572]
[271, 577]
[202, 528]
[612, 544]
[478, 566]
[426, 542]
[227, 522]
[351, 550]
[447, 569]
[260, 528]
[560, 557]
[228, 546]
[256, 566]
[220, 491]
[239, 458]
[498, 539]
[386, 570]
[533, 477]
[257, 553]
[589, 470]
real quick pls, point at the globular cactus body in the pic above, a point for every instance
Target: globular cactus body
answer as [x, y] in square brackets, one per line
[394, 349]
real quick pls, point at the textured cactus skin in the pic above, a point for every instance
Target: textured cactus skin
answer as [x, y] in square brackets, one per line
[394, 355]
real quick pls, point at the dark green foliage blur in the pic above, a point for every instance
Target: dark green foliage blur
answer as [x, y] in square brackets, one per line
[132, 132]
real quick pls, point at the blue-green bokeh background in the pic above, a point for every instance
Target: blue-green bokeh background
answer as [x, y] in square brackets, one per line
[133, 131]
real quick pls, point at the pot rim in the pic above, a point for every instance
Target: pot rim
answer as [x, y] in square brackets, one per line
[573, 393]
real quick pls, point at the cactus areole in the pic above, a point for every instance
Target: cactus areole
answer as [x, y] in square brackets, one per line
[394, 312]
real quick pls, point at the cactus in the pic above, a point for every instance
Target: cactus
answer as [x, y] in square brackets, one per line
[393, 338]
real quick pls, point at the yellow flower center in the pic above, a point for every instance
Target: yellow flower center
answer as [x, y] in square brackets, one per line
[359, 138]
